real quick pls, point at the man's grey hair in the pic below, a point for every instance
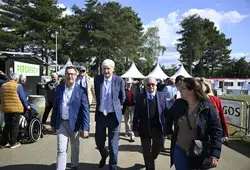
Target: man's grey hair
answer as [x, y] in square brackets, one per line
[148, 79]
[109, 63]
[22, 77]
[54, 75]
[14, 76]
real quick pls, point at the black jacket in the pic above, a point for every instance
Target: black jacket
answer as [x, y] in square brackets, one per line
[3, 79]
[208, 125]
[141, 120]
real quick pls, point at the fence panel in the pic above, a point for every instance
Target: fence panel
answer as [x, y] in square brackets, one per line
[237, 113]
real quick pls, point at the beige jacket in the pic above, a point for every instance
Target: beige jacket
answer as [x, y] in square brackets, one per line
[91, 89]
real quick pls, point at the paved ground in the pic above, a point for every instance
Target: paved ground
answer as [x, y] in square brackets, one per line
[42, 156]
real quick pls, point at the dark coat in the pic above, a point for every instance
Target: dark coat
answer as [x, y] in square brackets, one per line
[3, 79]
[117, 92]
[141, 115]
[208, 126]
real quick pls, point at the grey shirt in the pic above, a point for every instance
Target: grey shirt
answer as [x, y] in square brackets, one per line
[185, 135]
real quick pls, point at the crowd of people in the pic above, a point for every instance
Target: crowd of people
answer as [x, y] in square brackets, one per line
[183, 110]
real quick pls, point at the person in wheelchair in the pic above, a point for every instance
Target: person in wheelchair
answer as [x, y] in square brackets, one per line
[30, 125]
[13, 102]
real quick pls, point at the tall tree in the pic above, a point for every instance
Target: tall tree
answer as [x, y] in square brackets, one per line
[202, 46]
[152, 47]
[235, 69]
[69, 40]
[192, 41]
[216, 52]
[110, 31]
[169, 71]
[44, 16]
[13, 25]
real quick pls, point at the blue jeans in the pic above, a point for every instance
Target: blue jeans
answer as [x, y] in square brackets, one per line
[180, 159]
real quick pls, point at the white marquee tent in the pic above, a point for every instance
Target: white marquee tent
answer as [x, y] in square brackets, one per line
[133, 72]
[182, 71]
[158, 73]
[62, 71]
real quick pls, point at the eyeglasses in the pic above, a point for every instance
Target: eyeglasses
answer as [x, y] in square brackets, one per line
[70, 74]
[150, 84]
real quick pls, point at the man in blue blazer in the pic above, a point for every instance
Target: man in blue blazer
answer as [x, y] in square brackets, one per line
[149, 121]
[110, 95]
[70, 118]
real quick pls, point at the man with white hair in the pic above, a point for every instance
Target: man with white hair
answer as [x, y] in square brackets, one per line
[110, 96]
[13, 104]
[49, 97]
[149, 121]
[22, 79]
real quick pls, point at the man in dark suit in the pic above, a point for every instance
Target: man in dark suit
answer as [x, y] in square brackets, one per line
[110, 95]
[70, 117]
[149, 121]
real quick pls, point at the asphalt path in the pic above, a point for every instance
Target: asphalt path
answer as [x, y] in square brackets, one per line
[42, 155]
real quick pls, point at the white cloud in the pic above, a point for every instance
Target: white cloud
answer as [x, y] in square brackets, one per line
[219, 18]
[170, 25]
[240, 55]
[167, 28]
[169, 58]
[67, 11]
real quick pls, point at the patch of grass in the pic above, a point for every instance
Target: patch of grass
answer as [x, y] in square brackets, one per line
[238, 135]
[237, 97]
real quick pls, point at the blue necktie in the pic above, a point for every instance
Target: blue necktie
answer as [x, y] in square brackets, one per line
[151, 96]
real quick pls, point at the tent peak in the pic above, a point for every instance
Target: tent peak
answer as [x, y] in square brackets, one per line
[133, 72]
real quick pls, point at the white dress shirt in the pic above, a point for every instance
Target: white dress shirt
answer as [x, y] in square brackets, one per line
[67, 93]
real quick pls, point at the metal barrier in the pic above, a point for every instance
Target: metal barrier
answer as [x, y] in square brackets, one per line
[248, 129]
[237, 114]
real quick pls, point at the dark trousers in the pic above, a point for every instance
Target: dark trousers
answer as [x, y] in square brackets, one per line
[46, 112]
[110, 122]
[11, 128]
[151, 147]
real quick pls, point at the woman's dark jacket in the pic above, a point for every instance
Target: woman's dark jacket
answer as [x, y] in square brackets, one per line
[208, 125]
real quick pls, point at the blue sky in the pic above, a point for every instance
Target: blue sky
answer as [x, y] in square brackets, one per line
[232, 17]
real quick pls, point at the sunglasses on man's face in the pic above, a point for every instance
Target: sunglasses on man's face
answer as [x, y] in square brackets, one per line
[150, 84]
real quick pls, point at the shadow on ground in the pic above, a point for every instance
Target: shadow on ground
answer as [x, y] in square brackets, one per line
[130, 148]
[240, 146]
[86, 166]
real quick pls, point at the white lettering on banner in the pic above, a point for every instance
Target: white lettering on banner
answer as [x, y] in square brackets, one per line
[26, 69]
[233, 111]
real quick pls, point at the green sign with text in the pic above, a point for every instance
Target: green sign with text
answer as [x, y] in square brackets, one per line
[26, 69]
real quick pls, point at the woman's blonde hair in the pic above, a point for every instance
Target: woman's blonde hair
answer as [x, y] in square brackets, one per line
[206, 86]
